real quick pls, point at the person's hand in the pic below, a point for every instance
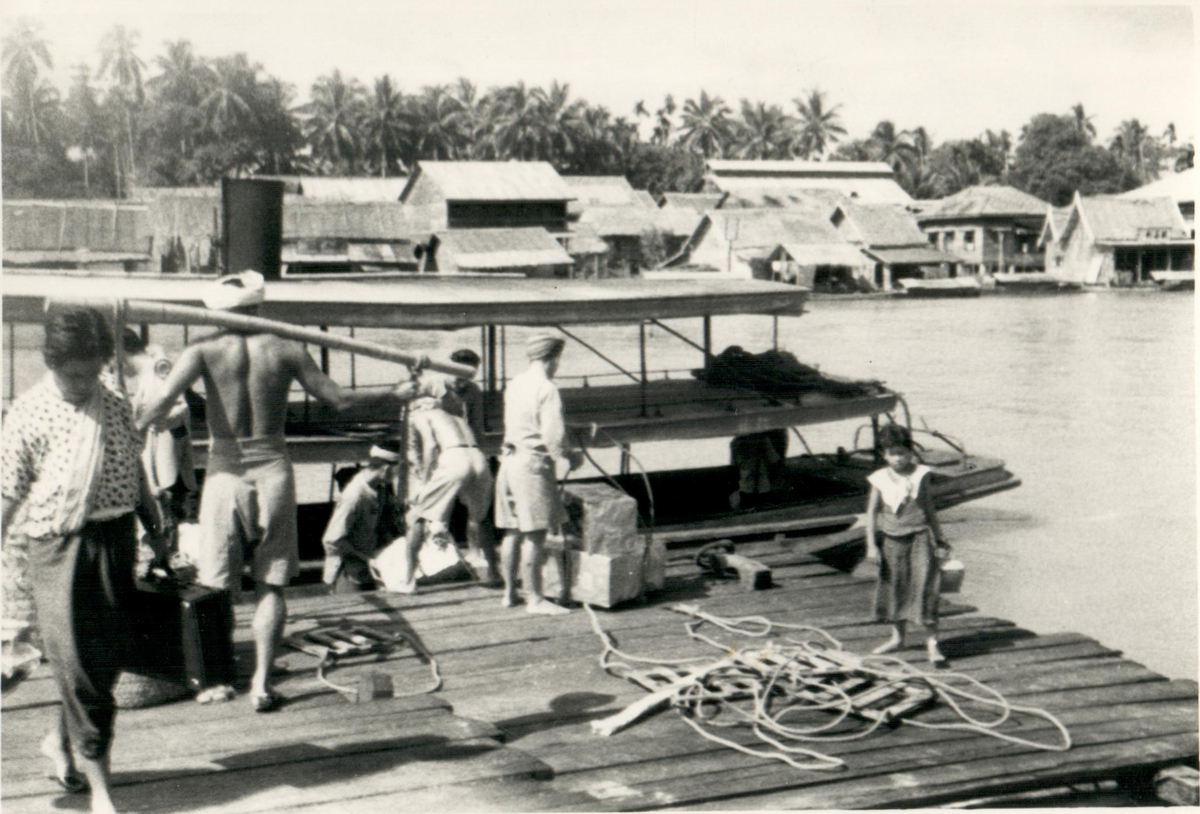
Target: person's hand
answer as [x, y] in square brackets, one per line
[941, 549]
[422, 363]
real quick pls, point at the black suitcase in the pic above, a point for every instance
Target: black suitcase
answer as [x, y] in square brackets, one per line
[183, 633]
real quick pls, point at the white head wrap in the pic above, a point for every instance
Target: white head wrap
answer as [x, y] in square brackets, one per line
[544, 346]
[235, 291]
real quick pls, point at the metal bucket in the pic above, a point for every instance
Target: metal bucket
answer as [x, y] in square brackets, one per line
[953, 572]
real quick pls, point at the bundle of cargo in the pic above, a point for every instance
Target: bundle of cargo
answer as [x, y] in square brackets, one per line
[601, 558]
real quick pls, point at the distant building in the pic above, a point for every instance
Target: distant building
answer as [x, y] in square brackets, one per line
[350, 189]
[889, 236]
[1179, 187]
[529, 251]
[338, 236]
[774, 182]
[992, 229]
[487, 195]
[96, 235]
[772, 244]
[629, 220]
[1117, 241]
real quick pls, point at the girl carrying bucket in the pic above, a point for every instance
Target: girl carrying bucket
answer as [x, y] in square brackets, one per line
[900, 506]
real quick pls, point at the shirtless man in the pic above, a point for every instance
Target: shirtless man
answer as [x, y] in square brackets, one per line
[249, 490]
[449, 464]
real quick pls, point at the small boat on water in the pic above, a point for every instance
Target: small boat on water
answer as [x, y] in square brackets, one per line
[939, 287]
[1022, 282]
[1175, 280]
[821, 493]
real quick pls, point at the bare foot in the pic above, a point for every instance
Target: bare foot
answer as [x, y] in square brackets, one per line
[64, 765]
[509, 601]
[933, 653]
[216, 695]
[889, 646]
[408, 588]
[544, 608]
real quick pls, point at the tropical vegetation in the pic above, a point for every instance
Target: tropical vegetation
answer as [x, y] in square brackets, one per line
[181, 118]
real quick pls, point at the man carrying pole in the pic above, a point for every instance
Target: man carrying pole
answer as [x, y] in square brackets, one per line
[248, 503]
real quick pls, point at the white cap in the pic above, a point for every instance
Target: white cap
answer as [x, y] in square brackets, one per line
[235, 291]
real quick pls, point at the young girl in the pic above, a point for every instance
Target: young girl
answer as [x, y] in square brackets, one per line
[909, 573]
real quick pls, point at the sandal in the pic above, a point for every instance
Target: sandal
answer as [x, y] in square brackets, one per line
[266, 702]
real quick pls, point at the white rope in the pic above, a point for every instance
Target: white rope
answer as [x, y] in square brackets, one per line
[800, 674]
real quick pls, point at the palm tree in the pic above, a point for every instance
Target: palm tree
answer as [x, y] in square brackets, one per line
[890, 146]
[516, 129]
[333, 116]
[706, 126]
[227, 103]
[1083, 122]
[30, 98]
[120, 63]
[559, 119]
[820, 126]
[764, 132]
[1129, 144]
[436, 124]
[470, 120]
[84, 119]
[1000, 145]
[178, 91]
[384, 125]
[663, 124]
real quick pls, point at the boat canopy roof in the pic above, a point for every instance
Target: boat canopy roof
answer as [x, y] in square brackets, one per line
[424, 302]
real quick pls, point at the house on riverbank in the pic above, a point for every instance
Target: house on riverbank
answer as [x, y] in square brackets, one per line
[1117, 241]
[888, 235]
[79, 234]
[992, 229]
[1180, 187]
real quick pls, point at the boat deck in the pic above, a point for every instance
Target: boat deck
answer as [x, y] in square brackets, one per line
[510, 729]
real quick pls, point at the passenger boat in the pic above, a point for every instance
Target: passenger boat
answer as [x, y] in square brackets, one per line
[818, 493]
[1175, 280]
[1030, 282]
[939, 287]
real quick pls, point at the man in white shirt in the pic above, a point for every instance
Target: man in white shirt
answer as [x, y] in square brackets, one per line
[528, 503]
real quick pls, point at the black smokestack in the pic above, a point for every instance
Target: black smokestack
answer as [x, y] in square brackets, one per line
[252, 222]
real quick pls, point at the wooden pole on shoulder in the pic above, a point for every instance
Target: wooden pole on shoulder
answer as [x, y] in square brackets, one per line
[147, 311]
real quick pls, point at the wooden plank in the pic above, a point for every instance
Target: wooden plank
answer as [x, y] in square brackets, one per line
[152, 755]
[727, 775]
[331, 778]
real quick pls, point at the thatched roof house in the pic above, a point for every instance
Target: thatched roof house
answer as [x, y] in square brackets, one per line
[1178, 186]
[531, 251]
[889, 236]
[487, 194]
[114, 235]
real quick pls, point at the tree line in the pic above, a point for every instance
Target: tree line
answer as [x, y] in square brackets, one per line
[184, 119]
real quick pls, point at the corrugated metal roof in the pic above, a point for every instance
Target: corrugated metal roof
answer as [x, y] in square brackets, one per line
[911, 256]
[603, 190]
[1178, 186]
[868, 188]
[482, 249]
[353, 189]
[700, 202]
[812, 169]
[622, 221]
[492, 180]
[883, 225]
[1112, 219]
[985, 201]
[305, 219]
[97, 226]
[826, 254]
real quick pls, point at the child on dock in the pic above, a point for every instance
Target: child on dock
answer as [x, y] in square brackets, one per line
[901, 504]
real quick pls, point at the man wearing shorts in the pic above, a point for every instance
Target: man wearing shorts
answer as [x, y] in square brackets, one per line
[450, 466]
[528, 504]
[248, 504]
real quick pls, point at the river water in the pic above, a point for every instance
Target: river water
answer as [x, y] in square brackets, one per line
[1089, 398]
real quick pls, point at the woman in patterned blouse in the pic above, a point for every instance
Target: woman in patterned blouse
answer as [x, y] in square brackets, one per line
[71, 467]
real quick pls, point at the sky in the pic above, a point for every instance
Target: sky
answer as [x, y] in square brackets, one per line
[955, 68]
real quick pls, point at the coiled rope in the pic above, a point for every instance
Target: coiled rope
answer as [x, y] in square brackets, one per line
[782, 680]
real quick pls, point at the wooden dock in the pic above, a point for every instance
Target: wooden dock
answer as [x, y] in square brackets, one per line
[510, 729]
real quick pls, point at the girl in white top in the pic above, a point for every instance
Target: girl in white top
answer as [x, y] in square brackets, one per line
[901, 507]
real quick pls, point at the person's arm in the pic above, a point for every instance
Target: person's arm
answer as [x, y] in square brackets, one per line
[926, 499]
[873, 501]
[7, 511]
[553, 430]
[186, 371]
[152, 521]
[16, 470]
[326, 390]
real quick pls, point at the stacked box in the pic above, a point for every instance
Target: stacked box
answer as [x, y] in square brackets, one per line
[603, 518]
